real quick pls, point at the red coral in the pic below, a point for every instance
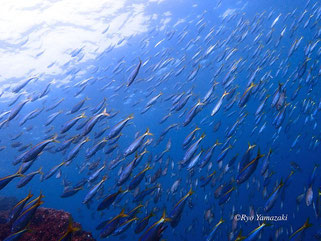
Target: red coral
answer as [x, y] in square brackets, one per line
[47, 225]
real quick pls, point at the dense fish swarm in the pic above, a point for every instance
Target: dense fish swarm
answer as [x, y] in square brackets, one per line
[206, 128]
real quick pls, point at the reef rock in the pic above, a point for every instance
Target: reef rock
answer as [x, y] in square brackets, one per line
[47, 225]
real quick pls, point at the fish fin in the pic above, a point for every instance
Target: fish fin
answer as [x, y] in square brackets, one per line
[82, 115]
[259, 154]
[54, 138]
[217, 142]
[71, 228]
[147, 133]
[40, 171]
[104, 113]
[225, 94]
[307, 224]
[122, 213]
[166, 219]
[190, 192]
[240, 237]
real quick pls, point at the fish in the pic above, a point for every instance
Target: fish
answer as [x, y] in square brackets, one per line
[98, 146]
[193, 112]
[26, 215]
[273, 197]
[191, 151]
[136, 180]
[78, 106]
[209, 154]
[218, 104]
[142, 224]
[69, 124]
[6, 180]
[36, 150]
[16, 236]
[253, 234]
[154, 232]
[249, 168]
[210, 237]
[23, 84]
[93, 191]
[93, 121]
[53, 171]
[246, 95]
[190, 137]
[115, 130]
[176, 213]
[301, 229]
[105, 204]
[205, 180]
[134, 74]
[112, 225]
[137, 143]
[16, 210]
[15, 110]
[123, 227]
[73, 153]
[26, 179]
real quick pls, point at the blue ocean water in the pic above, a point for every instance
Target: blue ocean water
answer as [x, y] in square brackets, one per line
[78, 49]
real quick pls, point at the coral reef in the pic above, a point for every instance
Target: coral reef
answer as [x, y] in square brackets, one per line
[47, 224]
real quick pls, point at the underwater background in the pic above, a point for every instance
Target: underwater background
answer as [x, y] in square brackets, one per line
[246, 73]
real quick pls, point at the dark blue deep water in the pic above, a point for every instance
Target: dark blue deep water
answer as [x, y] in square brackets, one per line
[84, 54]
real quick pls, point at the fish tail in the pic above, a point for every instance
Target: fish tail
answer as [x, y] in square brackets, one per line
[190, 192]
[225, 93]
[148, 167]
[71, 228]
[30, 195]
[18, 173]
[104, 113]
[54, 138]
[166, 219]
[40, 171]
[307, 224]
[259, 153]
[147, 133]
[122, 213]
[240, 237]
[82, 115]
[217, 142]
